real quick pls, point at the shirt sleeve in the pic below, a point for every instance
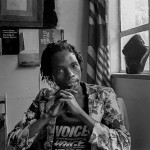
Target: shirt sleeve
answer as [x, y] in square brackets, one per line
[18, 138]
[109, 131]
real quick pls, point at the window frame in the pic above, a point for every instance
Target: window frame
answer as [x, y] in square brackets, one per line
[145, 27]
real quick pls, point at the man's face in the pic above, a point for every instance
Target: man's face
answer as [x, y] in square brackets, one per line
[66, 71]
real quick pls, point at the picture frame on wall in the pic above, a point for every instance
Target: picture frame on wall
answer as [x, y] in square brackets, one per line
[21, 13]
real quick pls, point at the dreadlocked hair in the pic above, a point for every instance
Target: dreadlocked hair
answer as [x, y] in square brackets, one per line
[50, 50]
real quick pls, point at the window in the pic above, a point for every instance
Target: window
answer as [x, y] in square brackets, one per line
[134, 19]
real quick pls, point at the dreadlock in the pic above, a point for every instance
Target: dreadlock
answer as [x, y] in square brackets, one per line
[50, 50]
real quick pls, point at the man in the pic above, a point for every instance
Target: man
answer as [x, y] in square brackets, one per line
[71, 115]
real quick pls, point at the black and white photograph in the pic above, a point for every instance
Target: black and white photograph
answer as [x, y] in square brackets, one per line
[74, 74]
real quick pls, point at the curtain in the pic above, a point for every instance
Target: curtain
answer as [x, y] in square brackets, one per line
[98, 68]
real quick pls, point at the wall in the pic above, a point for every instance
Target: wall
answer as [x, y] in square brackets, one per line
[22, 84]
[114, 28]
[136, 94]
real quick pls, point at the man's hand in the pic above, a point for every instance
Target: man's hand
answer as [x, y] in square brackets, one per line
[68, 98]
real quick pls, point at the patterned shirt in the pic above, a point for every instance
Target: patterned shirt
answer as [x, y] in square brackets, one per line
[109, 132]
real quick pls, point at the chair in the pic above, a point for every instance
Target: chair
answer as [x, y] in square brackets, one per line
[123, 109]
[3, 122]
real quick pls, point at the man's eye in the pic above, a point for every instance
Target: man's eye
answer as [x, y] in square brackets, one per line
[75, 65]
[59, 70]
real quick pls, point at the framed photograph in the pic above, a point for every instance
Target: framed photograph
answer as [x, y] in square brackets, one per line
[21, 13]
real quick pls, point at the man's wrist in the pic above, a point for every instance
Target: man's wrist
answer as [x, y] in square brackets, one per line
[47, 115]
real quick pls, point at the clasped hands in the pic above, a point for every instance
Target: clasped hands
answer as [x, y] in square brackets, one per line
[64, 99]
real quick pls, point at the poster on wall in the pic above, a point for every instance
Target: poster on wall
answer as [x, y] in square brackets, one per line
[48, 36]
[28, 59]
[9, 41]
[29, 48]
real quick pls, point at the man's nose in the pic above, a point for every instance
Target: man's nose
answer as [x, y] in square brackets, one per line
[70, 74]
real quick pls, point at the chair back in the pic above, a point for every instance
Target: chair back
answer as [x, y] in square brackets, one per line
[3, 122]
[123, 109]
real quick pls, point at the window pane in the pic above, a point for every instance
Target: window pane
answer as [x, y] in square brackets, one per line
[133, 13]
[124, 40]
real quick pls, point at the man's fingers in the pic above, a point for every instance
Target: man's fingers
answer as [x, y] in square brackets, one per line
[64, 96]
[69, 92]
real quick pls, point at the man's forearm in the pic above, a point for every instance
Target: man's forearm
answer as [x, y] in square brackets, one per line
[89, 121]
[38, 125]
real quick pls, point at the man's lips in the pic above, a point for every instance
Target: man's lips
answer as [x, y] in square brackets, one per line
[71, 84]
